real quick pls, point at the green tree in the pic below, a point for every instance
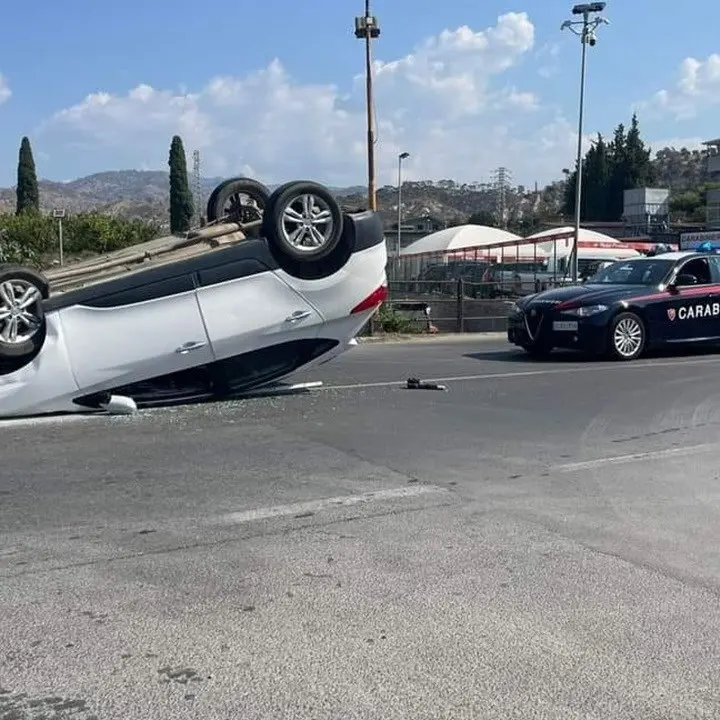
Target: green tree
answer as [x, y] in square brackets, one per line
[616, 181]
[639, 170]
[181, 201]
[596, 172]
[28, 196]
[608, 170]
[482, 217]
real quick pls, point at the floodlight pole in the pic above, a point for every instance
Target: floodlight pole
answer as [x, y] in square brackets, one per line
[402, 156]
[587, 37]
[578, 161]
[366, 28]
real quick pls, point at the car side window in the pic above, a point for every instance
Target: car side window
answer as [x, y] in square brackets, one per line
[699, 268]
[714, 261]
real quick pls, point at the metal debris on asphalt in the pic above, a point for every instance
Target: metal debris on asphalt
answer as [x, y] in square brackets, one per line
[417, 384]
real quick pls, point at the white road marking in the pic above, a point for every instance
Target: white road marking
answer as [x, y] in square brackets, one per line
[592, 367]
[633, 457]
[311, 507]
[46, 420]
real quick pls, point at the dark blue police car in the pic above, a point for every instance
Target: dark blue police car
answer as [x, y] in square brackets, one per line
[626, 308]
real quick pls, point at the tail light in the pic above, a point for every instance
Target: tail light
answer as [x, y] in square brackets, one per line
[375, 298]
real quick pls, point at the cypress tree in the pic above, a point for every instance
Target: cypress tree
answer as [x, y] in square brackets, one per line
[28, 195]
[595, 181]
[608, 170]
[181, 200]
[639, 171]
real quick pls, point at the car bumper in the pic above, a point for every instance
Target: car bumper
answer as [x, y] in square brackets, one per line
[560, 331]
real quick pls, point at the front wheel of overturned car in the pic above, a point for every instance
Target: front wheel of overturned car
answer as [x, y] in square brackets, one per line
[304, 222]
[627, 336]
[237, 200]
[22, 318]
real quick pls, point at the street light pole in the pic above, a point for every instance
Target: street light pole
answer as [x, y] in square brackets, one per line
[59, 214]
[402, 156]
[587, 37]
[366, 28]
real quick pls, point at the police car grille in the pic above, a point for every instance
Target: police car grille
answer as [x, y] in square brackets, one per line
[533, 319]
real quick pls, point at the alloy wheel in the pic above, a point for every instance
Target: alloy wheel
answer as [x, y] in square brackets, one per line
[18, 320]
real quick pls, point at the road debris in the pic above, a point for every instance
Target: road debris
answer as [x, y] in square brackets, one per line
[417, 384]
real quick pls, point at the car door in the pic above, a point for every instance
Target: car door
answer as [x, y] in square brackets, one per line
[246, 308]
[136, 335]
[693, 310]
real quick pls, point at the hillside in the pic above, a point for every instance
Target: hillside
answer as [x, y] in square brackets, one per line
[144, 194]
[125, 193]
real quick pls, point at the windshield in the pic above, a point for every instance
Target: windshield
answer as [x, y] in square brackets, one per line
[641, 271]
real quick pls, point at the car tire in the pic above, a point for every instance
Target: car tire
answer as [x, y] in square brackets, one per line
[307, 207]
[627, 337]
[224, 194]
[22, 291]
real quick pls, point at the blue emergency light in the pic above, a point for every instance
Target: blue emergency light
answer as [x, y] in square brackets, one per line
[707, 246]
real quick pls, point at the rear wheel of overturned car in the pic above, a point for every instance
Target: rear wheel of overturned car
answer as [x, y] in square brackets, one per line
[237, 200]
[627, 336]
[22, 319]
[303, 221]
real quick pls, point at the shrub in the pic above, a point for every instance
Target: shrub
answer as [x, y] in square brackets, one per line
[392, 321]
[32, 239]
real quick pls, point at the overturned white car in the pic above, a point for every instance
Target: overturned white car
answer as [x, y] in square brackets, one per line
[274, 283]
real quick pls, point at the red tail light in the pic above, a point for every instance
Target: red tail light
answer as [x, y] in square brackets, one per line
[375, 298]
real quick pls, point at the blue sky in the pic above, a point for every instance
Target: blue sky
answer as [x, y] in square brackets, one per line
[304, 116]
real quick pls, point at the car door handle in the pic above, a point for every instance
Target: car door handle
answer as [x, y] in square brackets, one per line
[189, 346]
[298, 315]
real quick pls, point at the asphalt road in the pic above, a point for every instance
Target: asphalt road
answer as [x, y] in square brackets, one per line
[539, 541]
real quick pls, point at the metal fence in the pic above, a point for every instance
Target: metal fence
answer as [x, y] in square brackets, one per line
[453, 305]
[470, 289]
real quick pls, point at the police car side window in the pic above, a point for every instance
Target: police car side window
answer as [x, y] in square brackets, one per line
[715, 268]
[698, 267]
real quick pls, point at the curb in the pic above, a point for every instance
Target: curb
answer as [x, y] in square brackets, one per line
[437, 338]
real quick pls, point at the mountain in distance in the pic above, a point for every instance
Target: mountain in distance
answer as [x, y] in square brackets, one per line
[144, 194]
[126, 193]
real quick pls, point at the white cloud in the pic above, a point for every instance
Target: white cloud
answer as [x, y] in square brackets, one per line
[5, 91]
[696, 88]
[547, 59]
[445, 103]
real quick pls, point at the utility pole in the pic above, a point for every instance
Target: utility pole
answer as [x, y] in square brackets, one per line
[587, 37]
[402, 156]
[366, 28]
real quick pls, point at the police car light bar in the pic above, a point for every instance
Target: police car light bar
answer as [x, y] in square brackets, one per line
[707, 246]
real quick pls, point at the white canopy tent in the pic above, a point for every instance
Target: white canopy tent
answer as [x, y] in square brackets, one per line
[477, 242]
[591, 244]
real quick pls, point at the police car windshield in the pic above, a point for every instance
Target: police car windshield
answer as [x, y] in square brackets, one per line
[640, 271]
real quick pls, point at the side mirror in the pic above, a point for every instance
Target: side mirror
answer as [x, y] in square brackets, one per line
[685, 279]
[682, 280]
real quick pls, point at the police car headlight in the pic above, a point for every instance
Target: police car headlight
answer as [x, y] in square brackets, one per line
[587, 310]
[515, 309]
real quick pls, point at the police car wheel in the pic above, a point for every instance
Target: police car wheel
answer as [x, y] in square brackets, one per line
[627, 336]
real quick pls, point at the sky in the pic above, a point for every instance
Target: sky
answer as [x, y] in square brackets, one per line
[274, 89]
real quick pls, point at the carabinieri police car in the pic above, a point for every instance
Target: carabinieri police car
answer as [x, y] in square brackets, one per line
[626, 308]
